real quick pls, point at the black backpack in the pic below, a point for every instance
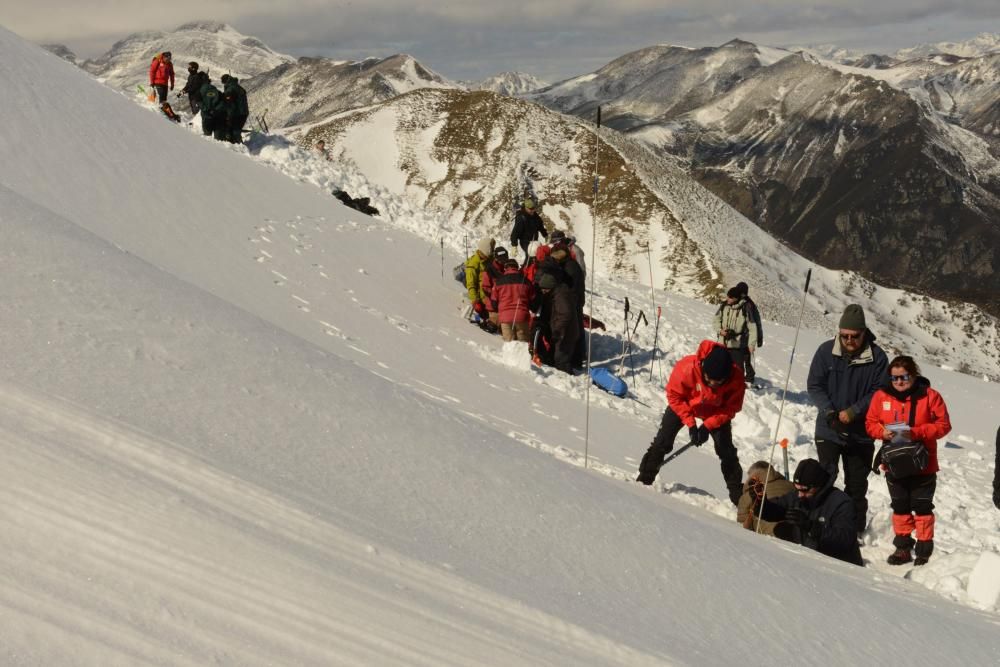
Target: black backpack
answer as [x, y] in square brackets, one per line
[905, 459]
[211, 100]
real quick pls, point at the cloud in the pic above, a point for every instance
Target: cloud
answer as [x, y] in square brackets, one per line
[551, 38]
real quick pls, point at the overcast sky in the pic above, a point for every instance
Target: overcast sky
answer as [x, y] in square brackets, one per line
[552, 39]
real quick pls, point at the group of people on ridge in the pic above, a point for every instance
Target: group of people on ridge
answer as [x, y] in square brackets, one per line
[538, 301]
[223, 113]
[861, 397]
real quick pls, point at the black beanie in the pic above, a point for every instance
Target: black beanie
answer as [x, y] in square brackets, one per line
[743, 289]
[810, 473]
[718, 364]
[500, 254]
[734, 293]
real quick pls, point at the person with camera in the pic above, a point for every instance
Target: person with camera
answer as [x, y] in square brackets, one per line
[816, 514]
[737, 326]
[909, 417]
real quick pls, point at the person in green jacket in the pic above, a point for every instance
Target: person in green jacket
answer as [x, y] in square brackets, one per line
[237, 109]
[737, 326]
[474, 267]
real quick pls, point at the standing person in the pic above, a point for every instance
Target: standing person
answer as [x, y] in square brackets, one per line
[737, 326]
[474, 266]
[907, 398]
[762, 478]
[161, 74]
[557, 323]
[320, 149]
[843, 376]
[816, 514]
[234, 98]
[193, 86]
[996, 474]
[527, 226]
[706, 385]
[513, 294]
[211, 108]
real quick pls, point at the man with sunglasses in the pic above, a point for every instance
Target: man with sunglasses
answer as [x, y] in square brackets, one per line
[844, 374]
[816, 514]
[707, 386]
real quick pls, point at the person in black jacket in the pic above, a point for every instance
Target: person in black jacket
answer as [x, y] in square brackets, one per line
[527, 226]
[996, 475]
[843, 376]
[816, 514]
[193, 86]
[234, 100]
[557, 324]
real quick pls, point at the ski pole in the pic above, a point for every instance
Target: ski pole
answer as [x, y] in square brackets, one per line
[760, 513]
[788, 375]
[675, 454]
[656, 344]
[593, 271]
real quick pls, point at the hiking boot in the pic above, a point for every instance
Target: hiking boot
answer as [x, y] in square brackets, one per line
[899, 557]
[923, 550]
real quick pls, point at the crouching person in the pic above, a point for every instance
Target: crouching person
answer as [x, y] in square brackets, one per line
[762, 479]
[816, 514]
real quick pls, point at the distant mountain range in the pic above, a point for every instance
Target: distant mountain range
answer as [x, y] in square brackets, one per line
[508, 83]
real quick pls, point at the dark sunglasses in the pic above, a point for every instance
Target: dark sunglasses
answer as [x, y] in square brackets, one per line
[900, 378]
[856, 336]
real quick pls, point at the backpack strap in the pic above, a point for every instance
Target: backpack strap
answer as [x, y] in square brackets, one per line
[913, 411]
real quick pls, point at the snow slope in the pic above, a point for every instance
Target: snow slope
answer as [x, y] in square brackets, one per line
[243, 425]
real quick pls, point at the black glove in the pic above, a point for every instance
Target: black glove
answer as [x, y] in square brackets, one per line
[788, 531]
[832, 420]
[798, 517]
[699, 435]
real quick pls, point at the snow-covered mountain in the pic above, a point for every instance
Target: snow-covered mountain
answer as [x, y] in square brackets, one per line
[216, 47]
[511, 84]
[980, 45]
[312, 89]
[843, 166]
[257, 433]
[469, 156]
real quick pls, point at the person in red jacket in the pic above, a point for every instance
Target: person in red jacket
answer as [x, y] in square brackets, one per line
[917, 413]
[706, 385]
[487, 279]
[513, 294]
[161, 74]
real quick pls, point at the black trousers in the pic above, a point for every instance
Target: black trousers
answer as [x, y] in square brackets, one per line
[663, 444]
[857, 460]
[912, 494]
[741, 357]
[161, 92]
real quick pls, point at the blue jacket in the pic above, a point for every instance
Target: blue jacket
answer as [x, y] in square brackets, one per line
[831, 530]
[837, 382]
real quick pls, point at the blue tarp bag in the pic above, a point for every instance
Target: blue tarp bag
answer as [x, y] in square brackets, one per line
[607, 381]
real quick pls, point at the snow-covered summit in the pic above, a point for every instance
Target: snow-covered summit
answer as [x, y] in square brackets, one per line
[216, 47]
[980, 45]
[511, 84]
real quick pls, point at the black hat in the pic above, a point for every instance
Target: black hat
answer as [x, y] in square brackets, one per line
[193, 65]
[557, 235]
[734, 293]
[167, 54]
[718, 364]
[743, 288]
[853, 318]
[500, 254]
[225, 78]
[811, 473]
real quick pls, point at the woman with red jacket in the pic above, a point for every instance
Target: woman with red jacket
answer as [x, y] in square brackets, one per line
[706, 385]
[908, 402]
